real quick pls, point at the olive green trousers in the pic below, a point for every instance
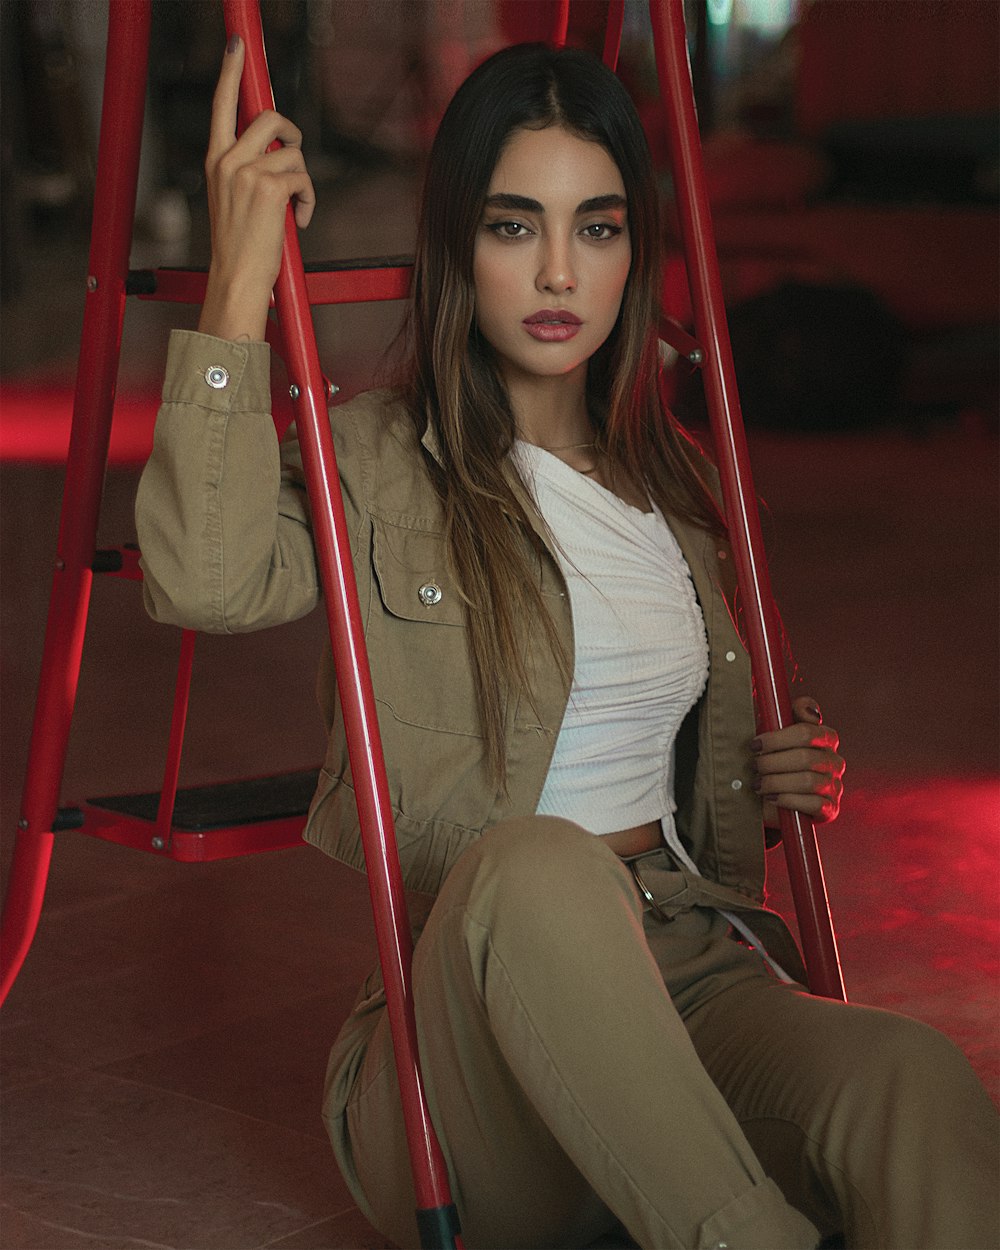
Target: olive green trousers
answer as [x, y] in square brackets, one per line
[587, 1063]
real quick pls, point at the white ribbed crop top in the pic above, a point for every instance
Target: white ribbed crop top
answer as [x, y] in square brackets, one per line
[641, 655]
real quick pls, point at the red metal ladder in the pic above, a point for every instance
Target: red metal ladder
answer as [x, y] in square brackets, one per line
[156, 827]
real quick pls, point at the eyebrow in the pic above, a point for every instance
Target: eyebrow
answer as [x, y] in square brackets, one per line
[524, 204]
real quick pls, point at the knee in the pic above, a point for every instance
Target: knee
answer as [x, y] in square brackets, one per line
[528, 863]
[537, 853]
[915, 1049]
[909, 1065]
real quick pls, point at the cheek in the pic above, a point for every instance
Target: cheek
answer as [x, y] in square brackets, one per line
[615, 291]
[485, 292]
[614, 280]
[624, 269]
[490, 275]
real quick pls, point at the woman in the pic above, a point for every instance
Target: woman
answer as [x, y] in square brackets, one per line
[566, 714]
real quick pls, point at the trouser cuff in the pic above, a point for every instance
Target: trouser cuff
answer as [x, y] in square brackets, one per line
[760, 1219]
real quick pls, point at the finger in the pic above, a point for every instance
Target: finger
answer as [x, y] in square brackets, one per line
[288, 166]
[304, 204]
[803, 760]
[282, 161]
[805, 708]
[800, 783]
[269, 126]
[803, 734]
[820, 813]
[225, 102]
[816, 807]
[277, 189]
[298, 189]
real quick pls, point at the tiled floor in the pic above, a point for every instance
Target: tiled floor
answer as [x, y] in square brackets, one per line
[164, 1047]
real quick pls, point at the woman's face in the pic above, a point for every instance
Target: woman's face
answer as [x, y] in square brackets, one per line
[552, 254]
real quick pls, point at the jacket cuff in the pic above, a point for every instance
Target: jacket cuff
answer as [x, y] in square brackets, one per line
[217, 374]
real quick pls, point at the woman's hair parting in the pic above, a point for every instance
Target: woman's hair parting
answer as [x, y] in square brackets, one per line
[455, 387]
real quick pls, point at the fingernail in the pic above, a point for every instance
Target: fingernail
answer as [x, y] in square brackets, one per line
[233, 44]
[816, 712]
[756, 745]
[756, 784]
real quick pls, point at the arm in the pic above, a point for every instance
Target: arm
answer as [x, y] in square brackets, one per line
[224, 534]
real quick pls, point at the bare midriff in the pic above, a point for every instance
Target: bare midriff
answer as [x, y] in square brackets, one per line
[637, 840]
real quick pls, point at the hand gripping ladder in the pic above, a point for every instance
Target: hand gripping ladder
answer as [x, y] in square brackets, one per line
[108, 283]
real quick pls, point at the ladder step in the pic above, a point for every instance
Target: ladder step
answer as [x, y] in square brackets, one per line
[327, 282]
[200, 809]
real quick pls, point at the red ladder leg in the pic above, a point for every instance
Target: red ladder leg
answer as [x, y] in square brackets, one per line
[805, 870]
[613, 33]
[97, 372]
[436, 1215]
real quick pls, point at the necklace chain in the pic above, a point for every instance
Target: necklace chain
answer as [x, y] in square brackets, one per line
[569, 446]
[576, 447]
[591, 468]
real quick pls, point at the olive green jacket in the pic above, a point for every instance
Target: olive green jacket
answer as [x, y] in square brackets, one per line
[226, 547]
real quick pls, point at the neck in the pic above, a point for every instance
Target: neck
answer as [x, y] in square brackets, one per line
[551, 412]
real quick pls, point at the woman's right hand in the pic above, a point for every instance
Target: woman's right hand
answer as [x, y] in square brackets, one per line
[248, 191]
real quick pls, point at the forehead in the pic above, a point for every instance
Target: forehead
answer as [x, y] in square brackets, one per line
[554, 165]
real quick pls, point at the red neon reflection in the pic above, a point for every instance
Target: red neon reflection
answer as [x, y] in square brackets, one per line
[915, 871]
[35, 424]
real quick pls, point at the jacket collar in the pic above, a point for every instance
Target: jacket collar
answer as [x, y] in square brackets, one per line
[527, 502]
[431, 443]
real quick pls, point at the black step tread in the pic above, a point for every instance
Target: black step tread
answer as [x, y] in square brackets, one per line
[218, 806]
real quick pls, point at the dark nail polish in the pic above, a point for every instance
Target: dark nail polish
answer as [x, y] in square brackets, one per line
[756, 745]
[233, 44]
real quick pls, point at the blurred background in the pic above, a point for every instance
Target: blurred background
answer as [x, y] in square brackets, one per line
[851, 151]
[163, 1049]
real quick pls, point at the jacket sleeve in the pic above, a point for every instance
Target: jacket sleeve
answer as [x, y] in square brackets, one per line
[223, 530]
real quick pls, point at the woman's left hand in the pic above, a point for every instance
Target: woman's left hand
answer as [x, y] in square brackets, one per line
[798, 767]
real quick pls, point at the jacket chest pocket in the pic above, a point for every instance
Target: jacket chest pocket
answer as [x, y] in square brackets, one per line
[417, 633]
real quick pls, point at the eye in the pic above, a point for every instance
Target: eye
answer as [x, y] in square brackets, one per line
[508, 229]
[599, 231]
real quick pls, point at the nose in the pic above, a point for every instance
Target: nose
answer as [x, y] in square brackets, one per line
[556, 272]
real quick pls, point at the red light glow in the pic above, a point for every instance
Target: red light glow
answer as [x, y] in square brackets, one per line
[35, 424]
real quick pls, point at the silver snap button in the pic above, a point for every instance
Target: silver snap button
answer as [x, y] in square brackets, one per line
[730, 656]
[429, 594]
[737, 784]
[217, 377]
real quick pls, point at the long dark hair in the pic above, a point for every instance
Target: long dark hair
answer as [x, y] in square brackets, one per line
[456, 390]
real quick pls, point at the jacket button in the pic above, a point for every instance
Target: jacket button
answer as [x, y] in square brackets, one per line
[429, 594]
[730, 656]
[737, 784]
[217, 377]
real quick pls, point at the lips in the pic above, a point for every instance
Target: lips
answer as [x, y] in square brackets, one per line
[553, 316]
[552, 325]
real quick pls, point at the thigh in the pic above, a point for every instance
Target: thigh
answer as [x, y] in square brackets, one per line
[513, 1184]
